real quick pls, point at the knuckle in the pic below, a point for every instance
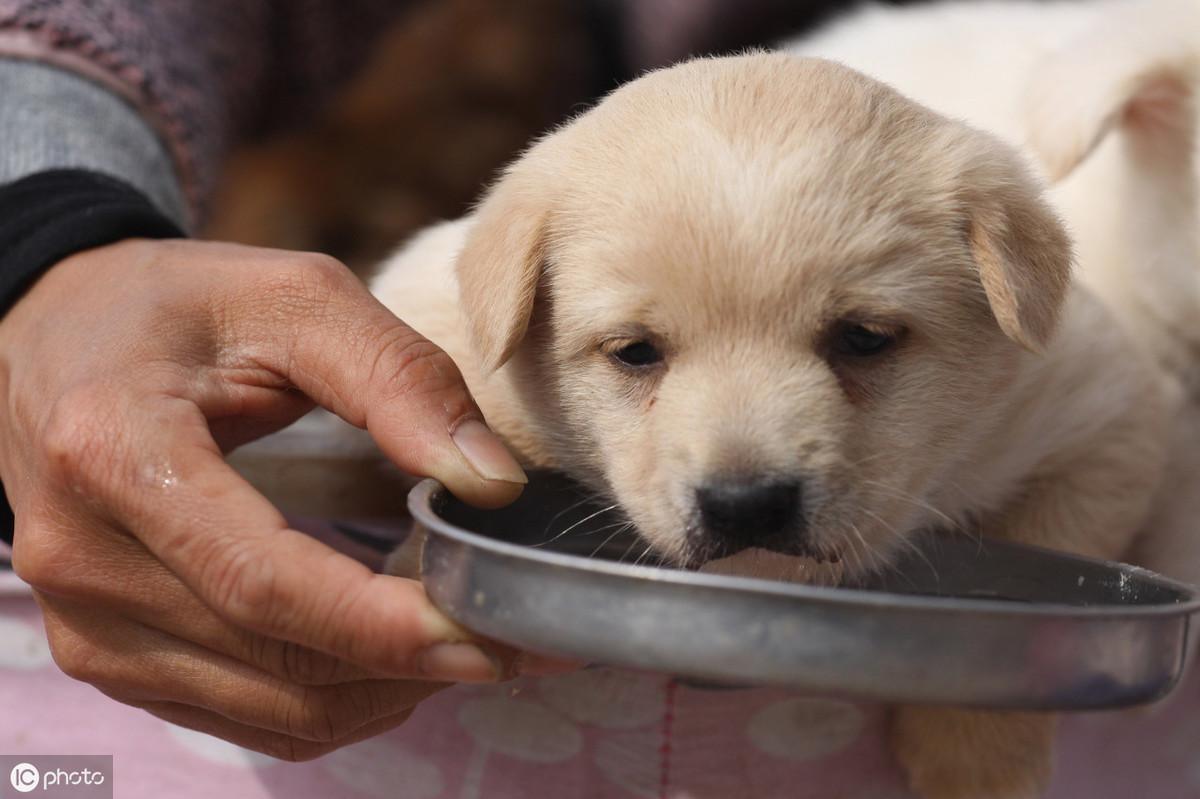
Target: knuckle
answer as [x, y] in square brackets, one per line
[321, 276]
[312, 717]
[77, 440]
[334, 626]
[407, 363]
[308, 281]
[304, 666]
[404, 715]
[120, 694]
[281, 747]
[329, 714]
[298, 288]
[37, 556]
[360, 703]
[292, 662]
[295, 750]
[303, 745]
[241, 583]
[323, 270]
[77, 658]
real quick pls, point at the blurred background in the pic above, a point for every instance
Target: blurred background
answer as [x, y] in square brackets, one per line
[448, 95]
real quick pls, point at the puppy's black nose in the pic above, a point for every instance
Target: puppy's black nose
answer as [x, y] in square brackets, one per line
[748, 513]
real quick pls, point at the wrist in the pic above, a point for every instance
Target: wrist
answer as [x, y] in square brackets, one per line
[51, 215]
[48, 216]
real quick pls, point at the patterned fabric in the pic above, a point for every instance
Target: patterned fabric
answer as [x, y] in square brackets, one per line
[45, 217]
[205, 72]
[595, 734]
[54, 119]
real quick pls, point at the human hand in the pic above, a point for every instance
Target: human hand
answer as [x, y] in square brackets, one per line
[166, 580]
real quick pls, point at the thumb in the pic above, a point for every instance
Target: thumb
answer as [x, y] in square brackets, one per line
[358, 360]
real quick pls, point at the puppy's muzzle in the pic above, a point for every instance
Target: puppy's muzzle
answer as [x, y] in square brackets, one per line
[737, 514]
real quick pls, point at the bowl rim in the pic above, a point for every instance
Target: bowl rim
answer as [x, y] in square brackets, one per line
[422, 497]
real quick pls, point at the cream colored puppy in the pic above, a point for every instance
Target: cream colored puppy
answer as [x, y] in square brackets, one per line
[768, 303]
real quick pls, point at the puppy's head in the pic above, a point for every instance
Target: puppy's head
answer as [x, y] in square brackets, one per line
[763, 301]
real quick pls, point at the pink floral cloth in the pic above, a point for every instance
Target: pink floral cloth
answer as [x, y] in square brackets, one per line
[596, 734]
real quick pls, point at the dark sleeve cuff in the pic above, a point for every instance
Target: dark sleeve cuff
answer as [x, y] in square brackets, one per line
[7, 523]
[50, 215]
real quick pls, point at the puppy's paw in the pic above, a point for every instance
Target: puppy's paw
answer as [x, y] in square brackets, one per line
[970, 754]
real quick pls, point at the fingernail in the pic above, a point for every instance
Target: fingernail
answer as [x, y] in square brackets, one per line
[530, 665]
[440, 628]
[487, 456]
[458, 663]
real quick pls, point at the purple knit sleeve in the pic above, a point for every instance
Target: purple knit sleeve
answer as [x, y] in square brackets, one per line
[204, 73]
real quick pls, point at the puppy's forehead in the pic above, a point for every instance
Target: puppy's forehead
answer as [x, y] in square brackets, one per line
[775, 110]
[763, 178]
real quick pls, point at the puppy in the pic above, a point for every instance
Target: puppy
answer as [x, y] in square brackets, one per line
[767, 303]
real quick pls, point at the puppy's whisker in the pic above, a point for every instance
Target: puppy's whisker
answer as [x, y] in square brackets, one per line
[584, 520]
[916, 501]
[877, 562]
[617, 526]
[645, 553]
[871, 560]
[904, 542]
[604, 543]
[605, 528]
[633, 543]
[568, 509]
[867, 459]
[859, 563]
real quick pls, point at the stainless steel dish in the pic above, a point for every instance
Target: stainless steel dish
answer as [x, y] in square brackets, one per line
[985, 624]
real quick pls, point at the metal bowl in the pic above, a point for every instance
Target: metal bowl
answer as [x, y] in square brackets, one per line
[964, 622]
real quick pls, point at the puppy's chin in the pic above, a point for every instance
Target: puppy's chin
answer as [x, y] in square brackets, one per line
[767, 565]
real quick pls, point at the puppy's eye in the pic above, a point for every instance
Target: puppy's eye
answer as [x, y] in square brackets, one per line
[638, 354]
[857, 340]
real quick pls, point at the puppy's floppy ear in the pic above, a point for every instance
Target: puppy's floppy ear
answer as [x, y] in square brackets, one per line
[500, 266]
[1019, 246]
